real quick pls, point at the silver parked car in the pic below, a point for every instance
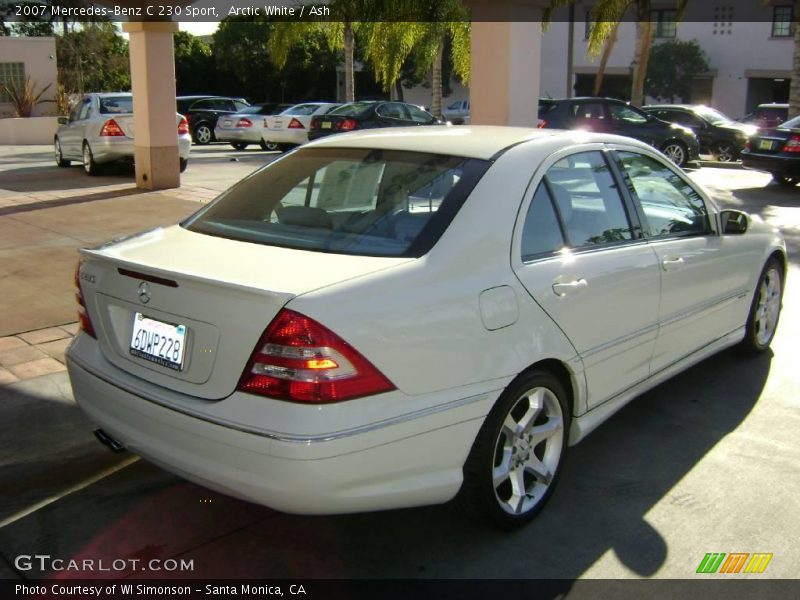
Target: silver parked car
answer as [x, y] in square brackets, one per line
[99, 130]
[290, 127]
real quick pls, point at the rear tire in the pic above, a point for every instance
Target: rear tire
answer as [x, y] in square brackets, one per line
[516, 458]
[676, 152]
[239, 145]
[89, 165]
[270, 146]
[60, 160]
[765, 311]
[203, 134]
[785, 180]
[184, 162]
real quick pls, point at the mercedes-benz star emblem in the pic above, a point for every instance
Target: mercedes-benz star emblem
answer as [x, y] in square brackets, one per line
[144, 292]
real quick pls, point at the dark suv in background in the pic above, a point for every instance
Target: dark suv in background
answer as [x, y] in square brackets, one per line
[608, 115]
[202, 113]
[717, 133]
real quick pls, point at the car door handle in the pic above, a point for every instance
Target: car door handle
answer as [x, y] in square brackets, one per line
[672, 264]
[570, 287]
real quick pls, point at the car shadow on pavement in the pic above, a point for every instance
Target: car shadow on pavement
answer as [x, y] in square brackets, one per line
[82, 199]
[609, 484]
[52, 178]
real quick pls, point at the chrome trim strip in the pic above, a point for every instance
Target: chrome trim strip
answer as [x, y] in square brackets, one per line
[284, 437]
[705, 306]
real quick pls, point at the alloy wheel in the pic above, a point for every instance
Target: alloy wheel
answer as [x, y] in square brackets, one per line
[203, 134]
[768, 307]
[528, 451]
[725, 152]
[675, 152]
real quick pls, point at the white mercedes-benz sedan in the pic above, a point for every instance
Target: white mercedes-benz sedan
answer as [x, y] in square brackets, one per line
[99, 131]
[396, 318]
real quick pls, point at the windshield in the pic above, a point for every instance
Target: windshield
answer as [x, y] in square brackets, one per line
[114, 105]
[712, 116]
[347, 201]
[352, 109]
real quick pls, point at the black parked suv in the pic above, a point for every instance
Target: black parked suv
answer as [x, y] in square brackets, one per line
[717, 133]
[608, 115]
[202, 113]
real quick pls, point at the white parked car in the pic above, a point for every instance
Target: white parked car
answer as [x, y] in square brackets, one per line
[457, 112]
[290, 128]
[99, 131]
[401, 317]
[246, 127]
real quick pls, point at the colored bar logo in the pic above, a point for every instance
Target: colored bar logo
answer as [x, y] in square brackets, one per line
[733, 563]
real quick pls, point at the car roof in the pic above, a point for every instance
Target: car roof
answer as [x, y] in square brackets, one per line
[682, 106]
[108, 94]
[773, 105]
[472, 141]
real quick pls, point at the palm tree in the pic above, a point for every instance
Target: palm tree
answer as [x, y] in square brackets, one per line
[340, 36]
[606, 16]
[391, 44]
[794, 88]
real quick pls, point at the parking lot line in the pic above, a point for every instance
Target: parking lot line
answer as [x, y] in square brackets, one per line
[71, 490]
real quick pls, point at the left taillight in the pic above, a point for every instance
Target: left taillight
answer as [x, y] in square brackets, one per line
[183, 126]
[347, 125]
[83, 314]
[244, 122]
[300, 360]
[111, 129]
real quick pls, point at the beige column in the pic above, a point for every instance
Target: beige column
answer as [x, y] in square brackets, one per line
[506, 57]
[153, 82]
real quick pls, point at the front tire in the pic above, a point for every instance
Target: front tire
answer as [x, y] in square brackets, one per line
[89, 165]
[725, 152]
[516, 458]
[765, 311]
[60, 160]
[676, 152]
[203, 134]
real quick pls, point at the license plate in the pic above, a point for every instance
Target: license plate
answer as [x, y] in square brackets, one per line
[766, 144]
[326, 124]
[159, 342]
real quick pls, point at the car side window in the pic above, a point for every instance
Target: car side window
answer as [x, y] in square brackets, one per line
[202, 105]
[541, 233]
[392, 110]
[687, 119]
[620, 112]
[587, 200]
[588, 111]
[86, 107]
[420, 116]
[672, 207]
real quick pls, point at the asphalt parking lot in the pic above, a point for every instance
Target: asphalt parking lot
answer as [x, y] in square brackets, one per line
[707, 462]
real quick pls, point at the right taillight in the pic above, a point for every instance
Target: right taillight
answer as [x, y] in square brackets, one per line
[793, 144]
[541, 124]
[300, 360]
[83, 315]
[295, 124]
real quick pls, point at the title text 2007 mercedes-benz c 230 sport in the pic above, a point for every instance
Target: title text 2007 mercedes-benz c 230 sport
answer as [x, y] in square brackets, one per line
[397, 318]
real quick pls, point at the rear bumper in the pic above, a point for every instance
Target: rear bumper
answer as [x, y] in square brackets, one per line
[317, 134]
[250, 135]
[781, 165]
[286, 136]
[111, 149]
[392, 465]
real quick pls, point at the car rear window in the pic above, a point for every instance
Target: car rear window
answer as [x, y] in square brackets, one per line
[115, 105]
[362, 202]
[301, 110]
[352, 109]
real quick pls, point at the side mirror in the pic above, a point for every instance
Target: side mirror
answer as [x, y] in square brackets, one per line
[733, 221]
[63, 120]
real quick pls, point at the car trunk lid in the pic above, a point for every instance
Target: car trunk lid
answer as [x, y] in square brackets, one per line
[212, 296]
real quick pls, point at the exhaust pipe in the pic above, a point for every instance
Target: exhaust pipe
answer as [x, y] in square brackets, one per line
[108, 441]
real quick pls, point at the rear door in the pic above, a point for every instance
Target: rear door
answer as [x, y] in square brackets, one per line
[582, 259]
[73, 134]
[702, 283]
